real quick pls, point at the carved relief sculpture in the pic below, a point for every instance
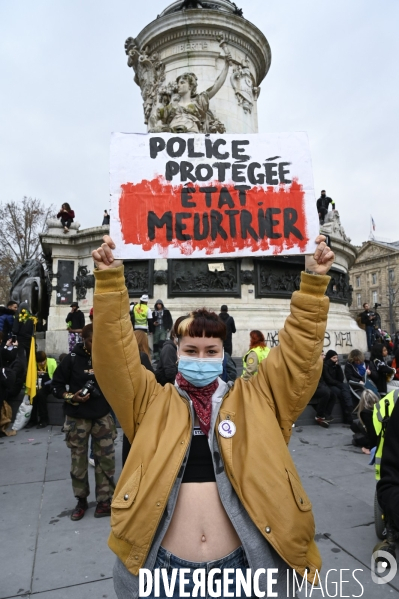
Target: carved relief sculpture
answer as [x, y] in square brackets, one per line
[243, 83]
[84, 281]
[176, 107]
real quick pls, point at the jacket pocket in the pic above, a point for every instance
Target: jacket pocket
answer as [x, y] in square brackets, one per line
[127, 494]
[302, 500]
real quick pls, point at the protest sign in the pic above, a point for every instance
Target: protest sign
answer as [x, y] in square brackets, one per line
[192, 196]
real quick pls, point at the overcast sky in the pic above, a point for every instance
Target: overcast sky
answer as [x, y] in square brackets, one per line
[65, 86]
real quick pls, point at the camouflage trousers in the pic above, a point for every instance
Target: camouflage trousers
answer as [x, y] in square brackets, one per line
[77, 435]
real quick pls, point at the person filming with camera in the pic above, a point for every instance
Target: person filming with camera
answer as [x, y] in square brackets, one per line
[86, 413]
[368, 318]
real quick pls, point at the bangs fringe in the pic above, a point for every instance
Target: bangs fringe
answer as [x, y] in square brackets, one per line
[202, 323]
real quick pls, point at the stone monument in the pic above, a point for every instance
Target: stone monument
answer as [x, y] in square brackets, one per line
[199, 67]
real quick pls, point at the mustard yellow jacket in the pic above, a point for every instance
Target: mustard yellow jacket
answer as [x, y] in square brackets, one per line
[157, 421]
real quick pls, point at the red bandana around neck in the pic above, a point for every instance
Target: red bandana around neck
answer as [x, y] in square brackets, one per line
[201, 398]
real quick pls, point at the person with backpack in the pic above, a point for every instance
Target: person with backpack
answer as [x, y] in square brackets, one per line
[230, 327]
[258, 351]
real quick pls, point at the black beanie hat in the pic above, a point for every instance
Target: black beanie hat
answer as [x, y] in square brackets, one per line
[330, 354]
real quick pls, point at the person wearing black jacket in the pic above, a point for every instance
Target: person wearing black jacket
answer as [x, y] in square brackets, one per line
[334, 379]
[12, 370]
[167, 365]
[355, 368]
[87, 413]
[75, 321]
[162, 323]
[388, 485]
[379, 371]
[322, 206]
[368, 318]
[231, 328]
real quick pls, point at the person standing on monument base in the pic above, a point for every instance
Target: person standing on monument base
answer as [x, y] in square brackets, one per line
[322, 206]
[210, 482]
[75, 323]
[368, 318]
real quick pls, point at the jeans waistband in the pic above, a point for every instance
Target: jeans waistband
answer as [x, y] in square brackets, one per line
[236, 558]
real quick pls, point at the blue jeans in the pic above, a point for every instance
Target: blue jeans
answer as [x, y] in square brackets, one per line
[235, 560]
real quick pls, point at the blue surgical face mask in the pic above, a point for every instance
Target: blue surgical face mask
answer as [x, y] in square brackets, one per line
[200, 371]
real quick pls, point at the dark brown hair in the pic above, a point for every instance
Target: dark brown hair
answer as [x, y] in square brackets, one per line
[201, 323]
[66, 206]
[87, 331]
[41, 356]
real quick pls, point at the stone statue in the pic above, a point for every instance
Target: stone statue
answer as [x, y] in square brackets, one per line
[149, 74]
[332, 226]
[28, 285]
[243, 83]
[190, 4]
[188, 111]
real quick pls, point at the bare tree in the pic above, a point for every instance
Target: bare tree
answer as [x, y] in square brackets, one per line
[20, 226]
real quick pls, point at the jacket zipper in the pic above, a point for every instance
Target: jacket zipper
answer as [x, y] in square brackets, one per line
[186, 399]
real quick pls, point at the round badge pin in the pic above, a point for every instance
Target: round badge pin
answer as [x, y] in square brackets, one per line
[227, 429]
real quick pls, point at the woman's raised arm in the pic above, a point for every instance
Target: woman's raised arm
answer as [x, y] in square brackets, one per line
[126, 384]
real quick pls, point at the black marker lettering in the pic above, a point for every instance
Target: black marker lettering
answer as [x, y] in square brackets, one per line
[191, 153]
[237, 152]
[181, 147]
[186, 196]
[157, 144]
[180, 226]
[290, 218]
[153, 221]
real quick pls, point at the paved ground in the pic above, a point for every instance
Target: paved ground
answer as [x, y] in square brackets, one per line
[44, 554]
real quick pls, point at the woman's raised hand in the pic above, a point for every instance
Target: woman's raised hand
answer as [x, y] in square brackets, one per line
[323, 258]
[103, 256]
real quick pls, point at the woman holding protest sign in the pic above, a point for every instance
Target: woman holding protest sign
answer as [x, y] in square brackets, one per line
[210, 484]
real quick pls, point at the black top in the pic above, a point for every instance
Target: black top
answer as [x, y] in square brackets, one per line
[332, 373]
[351, 374]
[199, 468]
[75, 371]
[167, 366]
[323, 203]
[77, 319]
[230, 325]
[368, 318]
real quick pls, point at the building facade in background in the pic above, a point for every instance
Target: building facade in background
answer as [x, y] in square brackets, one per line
[375, 280]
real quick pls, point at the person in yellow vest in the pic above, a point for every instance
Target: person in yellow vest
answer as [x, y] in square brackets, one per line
[386, 422]
[381, 414]
[142, 315]
[257, 352]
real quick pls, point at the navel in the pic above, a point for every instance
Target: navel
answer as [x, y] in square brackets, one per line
[203, 539]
